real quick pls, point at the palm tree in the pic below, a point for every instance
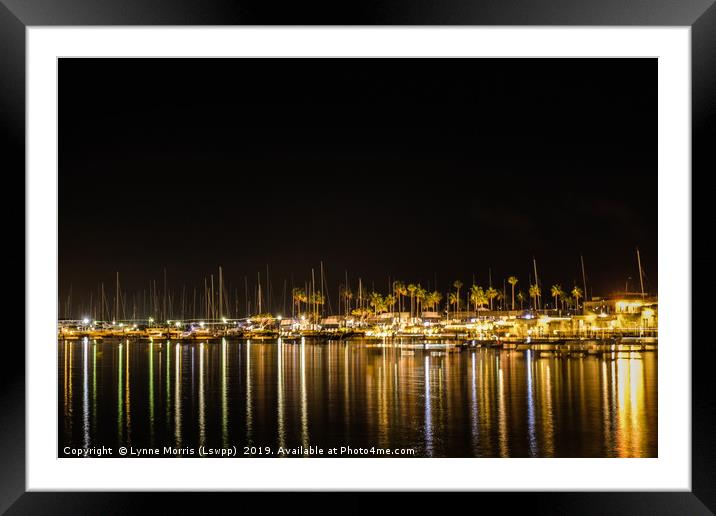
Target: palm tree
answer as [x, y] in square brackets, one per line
[491, 294]
[521, 298]
[475, 295]
[412, 288]
[347, 295]
[376, 301]
[567, 301]
[556, 291]
[390, 302]
[500, 298]
[535, 293]
[317, 299]
[420, 295]
[458, 285]
[360, 312]
[434, 300]
[399, 290]
[454, 299]
[299, 296]
[512, 280]
[577, 293]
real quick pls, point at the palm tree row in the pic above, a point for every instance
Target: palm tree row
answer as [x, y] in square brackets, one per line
[312, 301]
[417, 299]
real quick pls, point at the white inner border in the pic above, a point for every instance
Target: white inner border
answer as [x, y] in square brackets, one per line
[670, 471]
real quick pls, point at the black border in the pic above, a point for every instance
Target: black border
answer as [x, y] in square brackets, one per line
[700, 15]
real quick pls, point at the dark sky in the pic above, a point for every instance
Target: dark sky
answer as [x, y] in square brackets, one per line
[414, 168]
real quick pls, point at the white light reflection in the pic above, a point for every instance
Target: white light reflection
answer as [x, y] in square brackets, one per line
[532, 434]
[304, 403]
[428, 409]
[85, 394]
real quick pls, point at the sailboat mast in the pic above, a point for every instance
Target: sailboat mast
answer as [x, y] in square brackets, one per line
[313, 293]
[258, 302]
[584, 277]
[221, 294]
[116, 295]
[164, 306]
[534, 262]
[641, 278]
[322, 287]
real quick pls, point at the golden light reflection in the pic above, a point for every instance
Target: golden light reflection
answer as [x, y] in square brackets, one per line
[224, 393]
[280, 394]
[249, 400]
[120, 392]
[168, 385]
[94, 384]
[501, 416]
[545, 389]
[631, 413]
[346, 393]
[382, 396]
[177, 395]
[202, 398]
[151, 391]
[127, 398]
[67, 405]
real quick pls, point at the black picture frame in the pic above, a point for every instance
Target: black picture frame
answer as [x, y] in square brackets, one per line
[17, 15]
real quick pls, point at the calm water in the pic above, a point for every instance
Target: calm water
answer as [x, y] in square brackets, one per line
[476, 403]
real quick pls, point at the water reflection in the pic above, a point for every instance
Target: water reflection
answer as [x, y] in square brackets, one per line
[304, 402]
[177, 395]
[85, 394]
[127, 399]
[249, 398]
[482, 403]
[202, 400]
[280, 388]
[428, 410]
[150, 375]
[224, 393]
[531, 431]
[120, 391]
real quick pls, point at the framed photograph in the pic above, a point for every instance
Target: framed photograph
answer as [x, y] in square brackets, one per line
[419, 253]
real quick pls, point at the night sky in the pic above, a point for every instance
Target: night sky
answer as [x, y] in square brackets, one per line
[417, 169]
